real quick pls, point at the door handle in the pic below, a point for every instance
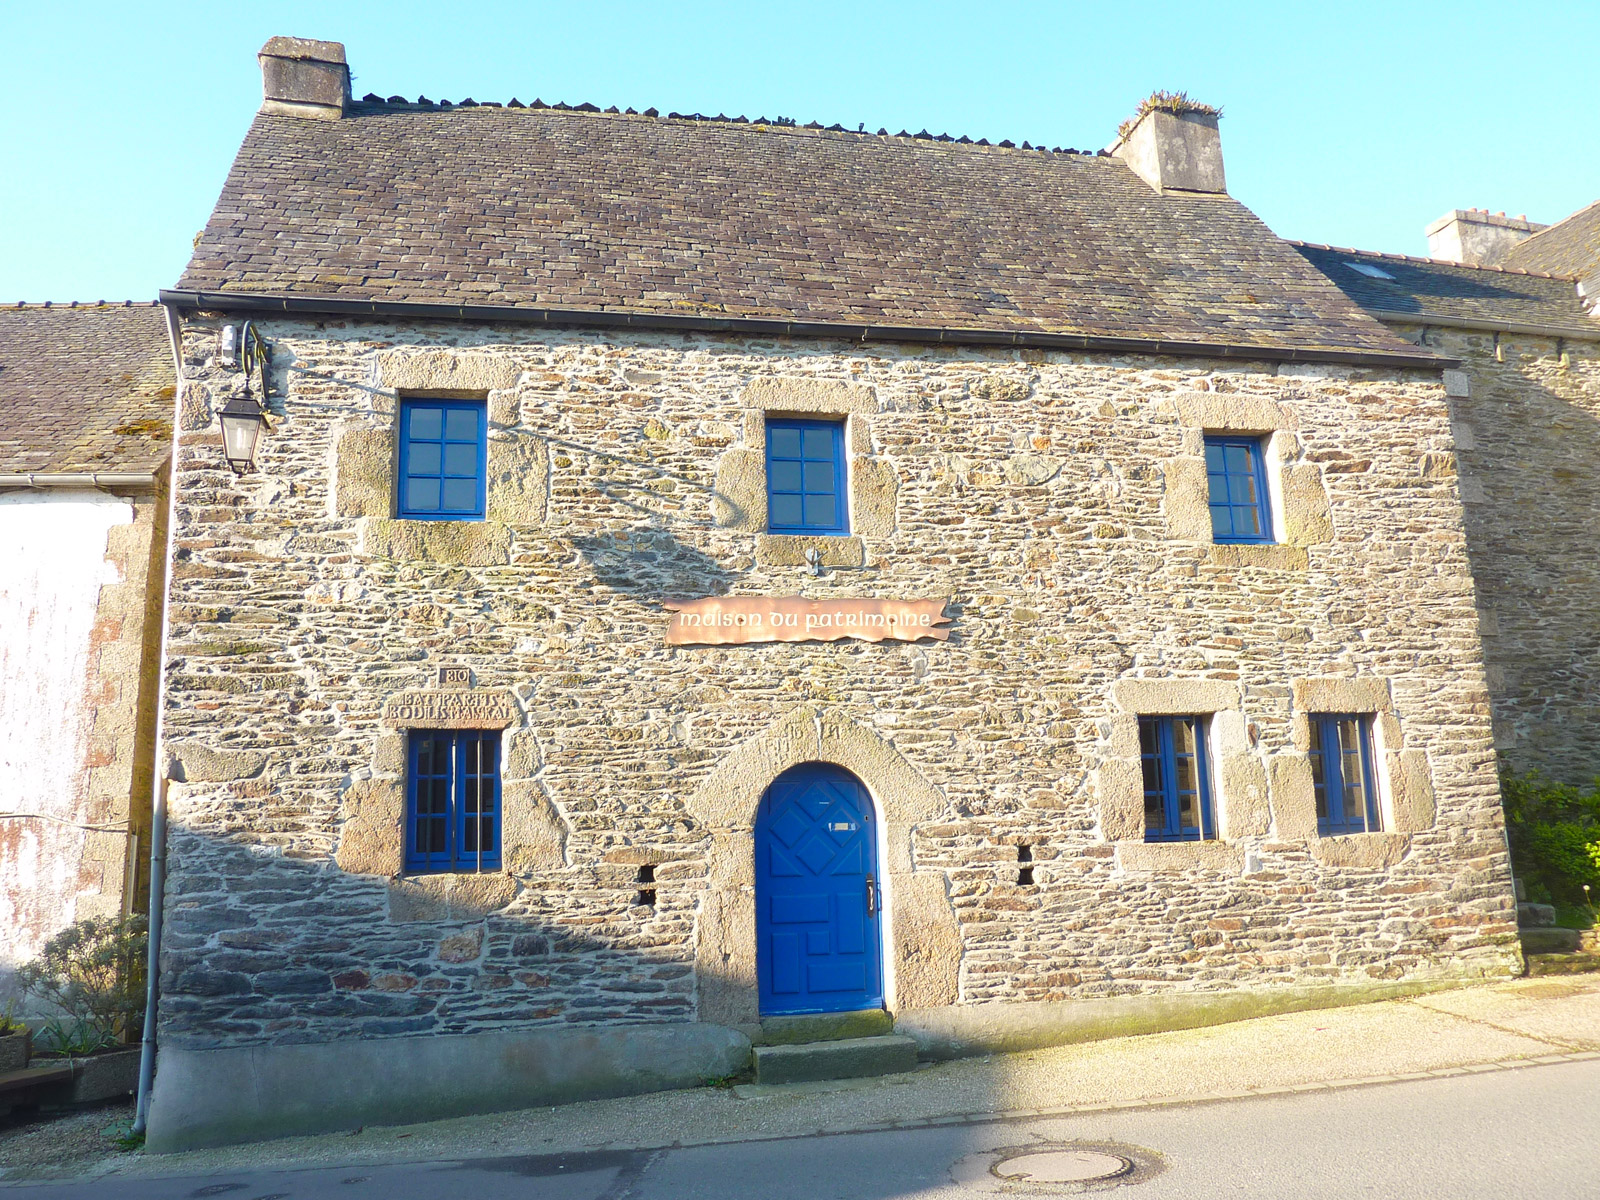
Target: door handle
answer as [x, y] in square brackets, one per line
[873, 899]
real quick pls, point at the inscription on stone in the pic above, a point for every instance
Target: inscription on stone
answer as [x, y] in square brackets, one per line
[735, 620]
[455, 678]
[450, 710]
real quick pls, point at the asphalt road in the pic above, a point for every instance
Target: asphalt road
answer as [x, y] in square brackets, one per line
[1533, 1132]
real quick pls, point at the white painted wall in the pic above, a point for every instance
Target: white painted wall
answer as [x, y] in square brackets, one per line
[52, 566]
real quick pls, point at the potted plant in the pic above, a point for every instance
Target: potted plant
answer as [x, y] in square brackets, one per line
[93, 973]
[16, 1042]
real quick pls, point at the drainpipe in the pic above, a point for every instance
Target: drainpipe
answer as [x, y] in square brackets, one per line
[158, 878]
[158, 806]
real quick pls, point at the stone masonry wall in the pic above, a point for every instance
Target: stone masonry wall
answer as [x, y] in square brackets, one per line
[1528, 437]
[1037, 491]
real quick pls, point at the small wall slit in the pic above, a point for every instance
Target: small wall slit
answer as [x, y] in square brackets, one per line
[646, 880]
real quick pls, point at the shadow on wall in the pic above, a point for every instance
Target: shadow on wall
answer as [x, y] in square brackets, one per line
[653, 563]
[298, 998]
[1529, 451]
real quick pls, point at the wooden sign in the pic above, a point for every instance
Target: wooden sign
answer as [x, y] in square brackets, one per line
[739, 620]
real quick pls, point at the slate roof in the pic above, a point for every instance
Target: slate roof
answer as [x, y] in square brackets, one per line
[1569, 247]
[1427, 287]
[84, 388]
[620, 213]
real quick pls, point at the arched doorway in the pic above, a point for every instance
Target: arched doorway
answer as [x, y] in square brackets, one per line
[819, 908]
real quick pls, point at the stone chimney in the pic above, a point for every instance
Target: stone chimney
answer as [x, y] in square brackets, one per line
[1172, 143]
[303, 78]
[1478, 237]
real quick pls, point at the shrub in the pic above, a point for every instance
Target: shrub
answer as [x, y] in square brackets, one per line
[94, 972]
[1555, 836]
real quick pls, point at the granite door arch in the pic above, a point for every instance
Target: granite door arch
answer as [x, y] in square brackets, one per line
[819, 910]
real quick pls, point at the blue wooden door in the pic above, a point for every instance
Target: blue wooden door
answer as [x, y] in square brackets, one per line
[818, 906]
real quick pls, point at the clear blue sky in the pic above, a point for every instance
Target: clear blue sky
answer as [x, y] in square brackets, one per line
[1351, 123]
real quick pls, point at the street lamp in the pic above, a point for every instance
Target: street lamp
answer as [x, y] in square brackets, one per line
[242, 418]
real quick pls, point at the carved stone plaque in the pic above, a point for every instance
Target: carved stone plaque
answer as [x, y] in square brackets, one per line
[738, 620]
[455, 678]
[450, 710]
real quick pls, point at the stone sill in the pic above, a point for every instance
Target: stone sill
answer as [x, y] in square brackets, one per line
[789, 550]
[455, 543]
[1270, 557]
[1361, 851]
[1209, 855]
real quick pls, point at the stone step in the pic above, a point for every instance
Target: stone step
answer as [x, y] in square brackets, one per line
[1551, 940]
[823, 1027]
[1562, 964]
[850, 1058]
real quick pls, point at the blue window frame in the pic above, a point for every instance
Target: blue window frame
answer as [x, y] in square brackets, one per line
[805, 477]
[1341, 773]
[443, 448]
[1177, 784]
[453, 800]
[1237, 474]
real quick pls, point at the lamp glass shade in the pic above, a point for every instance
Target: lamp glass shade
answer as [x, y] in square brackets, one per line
[241, 420]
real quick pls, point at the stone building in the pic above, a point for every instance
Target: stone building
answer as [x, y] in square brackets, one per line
[1517, 311]
[705, 571]
[86, 400]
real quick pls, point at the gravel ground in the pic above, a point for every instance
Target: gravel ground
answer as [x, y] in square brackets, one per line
[73, 1143]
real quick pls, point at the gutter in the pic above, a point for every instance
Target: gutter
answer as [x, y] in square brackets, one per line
[764, 327]
[1571, 333]
[97, 479]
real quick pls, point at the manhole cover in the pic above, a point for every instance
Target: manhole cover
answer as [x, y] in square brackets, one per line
[1056, 1168]
[1062, 1166]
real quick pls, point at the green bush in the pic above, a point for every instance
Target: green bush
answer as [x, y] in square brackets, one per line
[94, 972]
[1555, 836]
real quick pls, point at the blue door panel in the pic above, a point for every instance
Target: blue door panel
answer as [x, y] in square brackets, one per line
[786, 964]
[800, 910]
[818, 949]
[846, 978]
[850, 928]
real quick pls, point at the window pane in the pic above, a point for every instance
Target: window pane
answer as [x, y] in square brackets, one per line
[423, 458]
[1319, 780]
[422, 495]
[785, 510]
[461, 424]
[819, 476]
[438, 835]
[461, 459]
[1219, 488]
[1246, 521]
[1238, 458]
[819, 443]
[820, 512]
[426, 422]
[1350, 773]
[784, 476]
[783, 443]
[460, 495]
[1214, 459]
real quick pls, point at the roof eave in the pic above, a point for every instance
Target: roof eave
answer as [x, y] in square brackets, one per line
[766, 327]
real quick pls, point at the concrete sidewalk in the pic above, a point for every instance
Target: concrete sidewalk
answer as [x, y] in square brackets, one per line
[1490, 1027]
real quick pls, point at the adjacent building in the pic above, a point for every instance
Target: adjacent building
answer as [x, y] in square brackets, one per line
[86, 401]
[698, 572]
[1517, 310]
